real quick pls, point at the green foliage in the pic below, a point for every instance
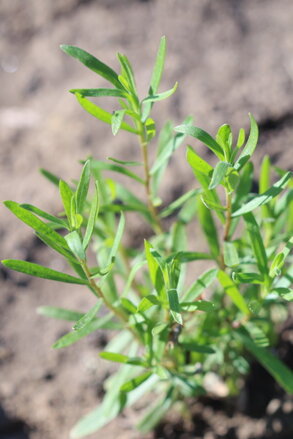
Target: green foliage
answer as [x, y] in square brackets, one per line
[165, 321]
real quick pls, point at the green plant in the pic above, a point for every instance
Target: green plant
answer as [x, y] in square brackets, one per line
[170, 335]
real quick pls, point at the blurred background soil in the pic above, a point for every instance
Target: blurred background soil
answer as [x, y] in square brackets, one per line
[230, 57]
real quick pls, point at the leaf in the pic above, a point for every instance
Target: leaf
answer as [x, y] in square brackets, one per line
[203, 282]
[66, 195]
[282, 374]
[53, 219]
[74, 243]
[257, 243]
[98, 92]
[250, 145]
[58, 248]
[218, 174]
[127, 72]
[116, 121]
[40, 271]
[95, 205]
[264, 180]
[232, 291]
[101, 114]
[178, 203]
[257, 334]
[183, 257]
[49, 176]
[156, 274]
[92, 63]
[74, 336]
[241, 138]
[103, 166]
[280, 258]
[231, 258]
[285, 293]
[34, 222]
[266, 197]
[147, 302]
[122, 162]
[150, 128]
[193, 347]
[128, 305]
[59, 313]
[156, 412]
[203, 136]
[135, 382]
[197, 163]
[208, 226]
[88, 317]
[156, 76]
[174, 306]
[224, 138]
[248, 278]
[198, 305]
[161, 96]
[116, 358]
[83, 186]
[117, 239]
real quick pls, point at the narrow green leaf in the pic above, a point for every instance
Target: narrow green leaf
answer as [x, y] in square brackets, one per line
[125, 163]
[95, 205]
[224, 138]
[98, 92]
[117, 239]
[135, 382]
[83, 186]
[250, 145]
[232, 291]
[74, 243]
[116, 121]
[116, 358]
[74, 336]
[266, 197]
[174, 306]
[49, 176]
[183, 257]
[241, 138]
[40, 271]
[282, 374]
[257, 243]
[34, 222]
[88, 317]
[209, 202]
[101, 114]
[92, 63]
[127, 72]
[197, 163]
[193, 347]
[154, 270]
[128, 305]
[231, 258]
[248, 278]
[156, 76]
[264, 180]
[66, 196]
[58, 248]
[280, 258]
[209, 228]
[156, 413]
[147, 302]
[204, 137]
[218, 174]
[53, 219]
[203, 282]
[285, 293]
[60, 313]
[103, 166]
[257, 334]
[198, 305]
[161, 96]
[178, 203]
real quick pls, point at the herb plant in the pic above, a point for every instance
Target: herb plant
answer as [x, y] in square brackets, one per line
[169, 334]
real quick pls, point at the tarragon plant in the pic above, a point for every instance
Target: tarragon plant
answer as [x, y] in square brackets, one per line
[170, 331]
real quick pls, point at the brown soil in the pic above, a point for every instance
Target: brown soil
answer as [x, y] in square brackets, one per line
[230, 57]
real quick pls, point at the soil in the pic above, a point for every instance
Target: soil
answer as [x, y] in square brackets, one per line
[230, 57]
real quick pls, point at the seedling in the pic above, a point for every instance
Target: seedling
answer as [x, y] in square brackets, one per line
[169, 333]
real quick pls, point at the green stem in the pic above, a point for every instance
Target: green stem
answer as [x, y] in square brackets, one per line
[99, 293]
[227, 226]
[153, 211]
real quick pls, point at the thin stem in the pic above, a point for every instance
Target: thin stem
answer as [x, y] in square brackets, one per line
[228, 216]
[99, 293]
[153, 211]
